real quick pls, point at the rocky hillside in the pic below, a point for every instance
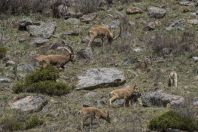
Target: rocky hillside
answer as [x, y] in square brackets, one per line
[156, 37]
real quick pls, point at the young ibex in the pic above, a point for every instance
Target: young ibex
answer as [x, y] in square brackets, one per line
[101, 31]
[122, 93]
[172, 79]
[58, 60]
[92, 112]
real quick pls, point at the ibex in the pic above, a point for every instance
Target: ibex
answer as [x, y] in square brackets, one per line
[101, 31]
[172, 79]
[122, 93]
[92, 112]
[58, 60]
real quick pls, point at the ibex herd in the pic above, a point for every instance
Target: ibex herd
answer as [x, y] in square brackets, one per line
[128, 93]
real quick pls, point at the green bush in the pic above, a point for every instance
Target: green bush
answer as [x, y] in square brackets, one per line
[3, 52]
[43, 74]
[13, 121]
[42, 81]
[173, 120]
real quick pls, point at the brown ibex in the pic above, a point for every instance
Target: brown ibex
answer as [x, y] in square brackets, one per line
[122, 93]
[101, 31]
[58, 60]
[92, 112]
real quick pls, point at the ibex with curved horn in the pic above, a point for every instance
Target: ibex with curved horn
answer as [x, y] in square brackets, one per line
[58, 60]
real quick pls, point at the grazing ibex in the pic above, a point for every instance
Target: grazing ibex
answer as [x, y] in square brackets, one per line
[122, 93]
[101, 31]
[92, 112]
[58, 60]
[172, 79]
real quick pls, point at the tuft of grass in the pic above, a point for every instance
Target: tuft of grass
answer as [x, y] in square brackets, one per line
[3, 52]
[173, 120]
[42, 81]
[32, 122]
[13, 121]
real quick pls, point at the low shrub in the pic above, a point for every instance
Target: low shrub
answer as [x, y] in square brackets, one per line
[42, 81]
[173, 120]
[43, 74]
[14, 121]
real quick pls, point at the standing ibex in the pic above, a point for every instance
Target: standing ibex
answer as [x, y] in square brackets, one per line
[58, 60]
[101, 31]
[122, 93]
[172, 79]
[92, 112]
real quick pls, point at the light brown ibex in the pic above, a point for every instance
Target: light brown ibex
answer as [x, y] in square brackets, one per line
[122, 93]
[58, 60]
[101, 31]
[92, 112]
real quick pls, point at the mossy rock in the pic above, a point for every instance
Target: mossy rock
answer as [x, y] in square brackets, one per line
[173, 120]
[3, 52]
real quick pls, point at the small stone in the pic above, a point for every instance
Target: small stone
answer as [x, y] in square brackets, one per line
[10, 63]
[156, 12]
[134, 10]
[195, 58]
[88, 17]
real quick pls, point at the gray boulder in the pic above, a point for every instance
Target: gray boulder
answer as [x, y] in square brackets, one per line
[86, 53]
[45, 30]
[156, 12]
[38, 41]
[100, 77]
[29, 103]
[24, 69]
[159, 98]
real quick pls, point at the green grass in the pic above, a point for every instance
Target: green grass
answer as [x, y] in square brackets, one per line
[173, 120]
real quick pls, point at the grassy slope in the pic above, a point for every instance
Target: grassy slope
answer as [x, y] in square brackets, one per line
[61, 112]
